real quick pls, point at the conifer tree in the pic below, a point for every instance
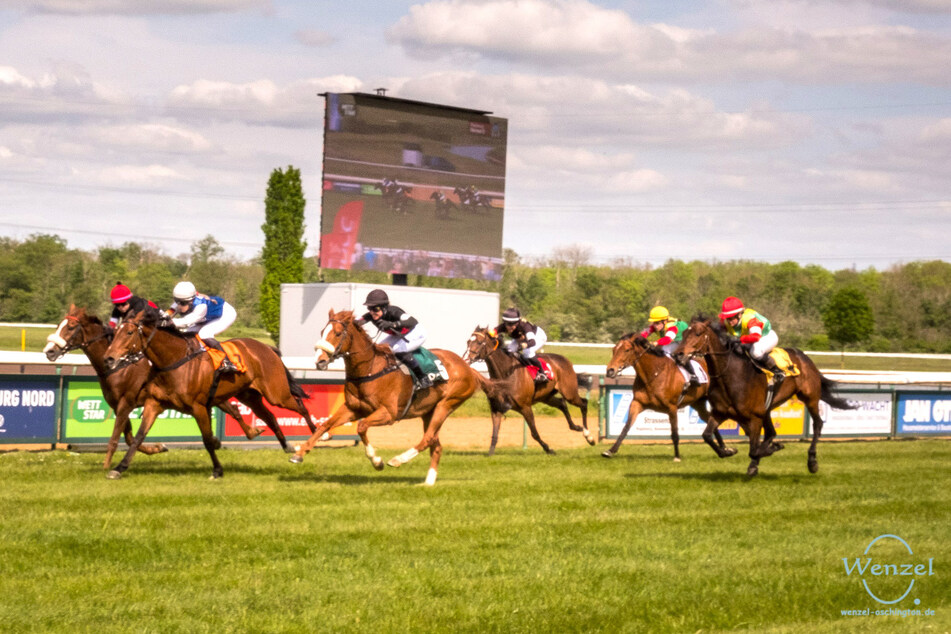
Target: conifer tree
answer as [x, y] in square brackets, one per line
[284, 244]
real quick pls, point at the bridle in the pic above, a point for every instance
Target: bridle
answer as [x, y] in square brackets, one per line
[483, 352]
[335, 352]
[83, 343]
[637, 358]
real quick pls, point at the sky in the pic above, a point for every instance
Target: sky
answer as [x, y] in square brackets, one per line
[805, 130]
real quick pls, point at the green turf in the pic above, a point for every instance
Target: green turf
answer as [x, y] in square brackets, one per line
[521, 542]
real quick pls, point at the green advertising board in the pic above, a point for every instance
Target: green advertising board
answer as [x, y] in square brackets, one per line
[88, 417]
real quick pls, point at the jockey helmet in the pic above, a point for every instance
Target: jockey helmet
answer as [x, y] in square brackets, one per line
[120, 293]
[731, 307]
[511, 315]
[658, 313]
[377, 297]
[184, 292]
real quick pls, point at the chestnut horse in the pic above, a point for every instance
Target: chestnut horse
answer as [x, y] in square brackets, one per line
[522, 390]
[182, 376]
[739, 390]
[377, 392]
[660, 387]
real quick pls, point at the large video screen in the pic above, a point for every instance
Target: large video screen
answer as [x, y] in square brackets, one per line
[412, 187]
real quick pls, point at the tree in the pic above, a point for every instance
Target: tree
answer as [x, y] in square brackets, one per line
[283, 252]
[848, 317]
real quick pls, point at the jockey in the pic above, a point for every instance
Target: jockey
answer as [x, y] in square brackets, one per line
[671, 331]
[125, 305]
[525, 339]
[403, 333]
[207, 315]
[755, 333]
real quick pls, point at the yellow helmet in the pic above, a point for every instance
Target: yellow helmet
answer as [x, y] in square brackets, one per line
[658, 313]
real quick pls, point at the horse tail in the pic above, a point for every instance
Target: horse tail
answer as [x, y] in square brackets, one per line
[296, 390]
[828, 386]
[585, 381]
[498, 398]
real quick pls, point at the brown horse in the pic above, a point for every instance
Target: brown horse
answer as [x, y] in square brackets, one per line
[740, 391]
[182, 377]
[659, 386]
[522, 391]
[121, 386]
[376, 392]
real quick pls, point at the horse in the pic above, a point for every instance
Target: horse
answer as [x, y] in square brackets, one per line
[183, 377]
[521, 389]
[376, 392]
[443, 204]
[121, 386]
[740, 391]
[659, 386]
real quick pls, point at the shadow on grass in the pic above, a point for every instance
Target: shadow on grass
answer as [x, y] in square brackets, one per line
[349, 479]
[719, 476]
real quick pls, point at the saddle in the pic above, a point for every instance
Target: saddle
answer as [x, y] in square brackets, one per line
[231, 352]
[429, 364]
[533, 371]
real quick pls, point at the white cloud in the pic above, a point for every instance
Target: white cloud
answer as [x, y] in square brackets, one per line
[314, 37]
[128, 175]
[582, 35]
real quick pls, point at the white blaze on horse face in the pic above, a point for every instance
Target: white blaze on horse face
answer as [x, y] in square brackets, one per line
[56, 339]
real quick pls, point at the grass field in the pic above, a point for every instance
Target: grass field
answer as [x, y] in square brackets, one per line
[521, 542]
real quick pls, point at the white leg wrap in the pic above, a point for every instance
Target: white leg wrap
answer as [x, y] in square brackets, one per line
[431, 477]
[407, 455]
[371, 452]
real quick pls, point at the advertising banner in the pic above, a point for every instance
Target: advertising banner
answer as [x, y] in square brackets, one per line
[872, 415]
[650, 423]
[88, 417]
[920, 413]
[789, 419]
[28, 409]
[324, 399]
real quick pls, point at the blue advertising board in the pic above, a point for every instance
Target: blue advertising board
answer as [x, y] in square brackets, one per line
[923, 413]
[28, 409]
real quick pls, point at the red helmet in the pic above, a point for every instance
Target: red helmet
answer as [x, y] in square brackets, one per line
[731, 307]
[120, 294]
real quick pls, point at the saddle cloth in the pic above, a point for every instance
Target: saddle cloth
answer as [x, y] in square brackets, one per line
[781, 357]
[532, 370]
[430, 364]
[233, 352]
[697, 370]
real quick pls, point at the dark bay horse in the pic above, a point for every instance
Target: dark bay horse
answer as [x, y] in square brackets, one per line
[182, 375]
[659, 386]
[121, 386]
[377, 392]
[522, 391]
[738, 390]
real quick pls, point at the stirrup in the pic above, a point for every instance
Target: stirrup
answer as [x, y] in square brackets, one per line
[423, 382]
[541, 377]
[227, 367]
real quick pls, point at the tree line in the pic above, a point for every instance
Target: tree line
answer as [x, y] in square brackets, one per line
[906, 308]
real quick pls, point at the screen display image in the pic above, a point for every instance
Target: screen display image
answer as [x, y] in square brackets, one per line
[412, 188]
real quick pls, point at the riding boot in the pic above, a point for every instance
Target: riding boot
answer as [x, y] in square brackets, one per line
[540, 376]
[772, 366]
[226, 367]
[422, 379]
[694, 380]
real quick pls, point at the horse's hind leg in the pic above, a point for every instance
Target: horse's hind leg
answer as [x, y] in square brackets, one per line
[496, 424]
[813, 460]
[231, 409]
[254, 400]
[561, 402]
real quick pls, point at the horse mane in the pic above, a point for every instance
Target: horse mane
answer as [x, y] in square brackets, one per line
[157, 319]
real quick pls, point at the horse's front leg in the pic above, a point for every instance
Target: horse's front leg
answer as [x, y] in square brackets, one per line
[379, 417]
[341, 416]
[203, 418]
[755, 447]
[632, 412]
[672, 416]
[496, 425]
[149, 413]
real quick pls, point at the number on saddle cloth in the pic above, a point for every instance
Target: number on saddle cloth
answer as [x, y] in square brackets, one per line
[430, 364]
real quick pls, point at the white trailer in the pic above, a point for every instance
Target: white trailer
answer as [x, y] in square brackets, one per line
[448, 315]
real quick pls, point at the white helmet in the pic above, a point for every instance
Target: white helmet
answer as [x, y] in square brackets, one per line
[184, 291]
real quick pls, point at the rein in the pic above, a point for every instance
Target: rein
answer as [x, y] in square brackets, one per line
[148, 341]
[126, 361]
[357, 380]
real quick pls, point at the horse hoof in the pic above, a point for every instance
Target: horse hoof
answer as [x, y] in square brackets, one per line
[676, 459]
[394, 462]
[295, 459]
[215, 476]
[325, 437]
[378, 464]
[778, 446]
[114, 475]
[731, 452]
[162, 448]
[607, 454]
[813, 466]
[254, 432]
[752, 471]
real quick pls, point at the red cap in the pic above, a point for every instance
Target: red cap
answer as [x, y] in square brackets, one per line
[731, 307]
[120, 294]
